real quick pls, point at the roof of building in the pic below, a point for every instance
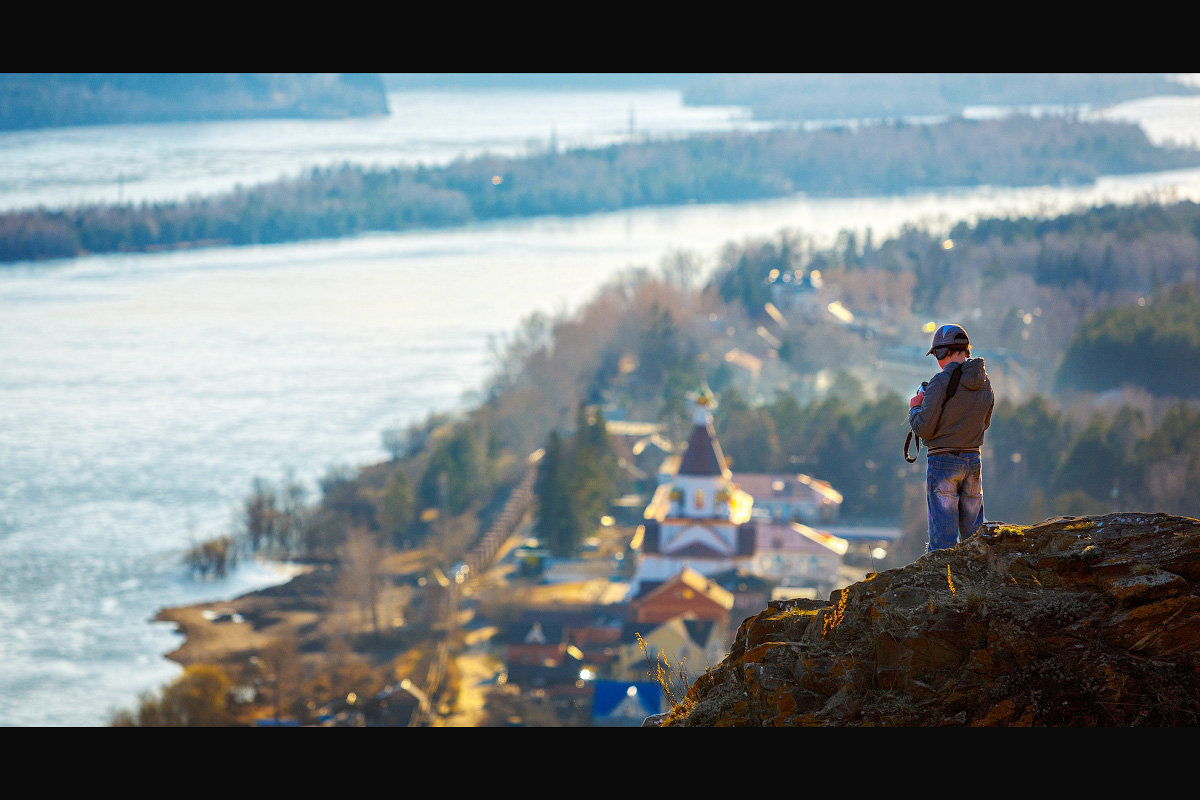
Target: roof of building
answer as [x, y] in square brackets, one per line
[766, 486]
[797, 538]
[622, 427]
[742, 580]
[695, 581]
[699, 630]
[645, 588]
[626, 698]
[703, 455]
[551, 632]
[888, 533]
[552, 626]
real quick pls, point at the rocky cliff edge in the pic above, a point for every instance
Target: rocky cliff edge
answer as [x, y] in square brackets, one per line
[1076, 621]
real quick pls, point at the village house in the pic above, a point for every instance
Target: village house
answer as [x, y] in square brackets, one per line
[796, 288]
[562, 648]
[688, 644]
[684, 618]
[801, 561]
[536, 652]
[625, 703]
[794, 497]
[686, 593]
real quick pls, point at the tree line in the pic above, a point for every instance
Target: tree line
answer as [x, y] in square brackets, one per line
[1153, 345]
[53, 99]
[1123, 251]
[1045, 460]
[727, 167]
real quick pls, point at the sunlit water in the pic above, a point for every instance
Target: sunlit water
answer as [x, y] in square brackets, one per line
[141, 394]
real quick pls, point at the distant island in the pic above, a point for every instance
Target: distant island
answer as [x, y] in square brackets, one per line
[30, 100]
[831, 96]
[882, 159]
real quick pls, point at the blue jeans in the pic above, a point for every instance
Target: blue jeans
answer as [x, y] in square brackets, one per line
[955, 484]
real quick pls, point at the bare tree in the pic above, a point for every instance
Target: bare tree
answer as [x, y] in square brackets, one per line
[279, 663]
[362, 577]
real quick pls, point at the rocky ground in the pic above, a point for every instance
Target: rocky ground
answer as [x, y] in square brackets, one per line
[1089, 621]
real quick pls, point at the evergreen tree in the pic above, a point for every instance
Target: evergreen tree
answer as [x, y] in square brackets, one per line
[593, 467]
[1156, 347]
[396, 506]
[557, 523]
[1091, 463]
[454, 476]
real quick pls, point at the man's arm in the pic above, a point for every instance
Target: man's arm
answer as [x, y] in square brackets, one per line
[923, 419]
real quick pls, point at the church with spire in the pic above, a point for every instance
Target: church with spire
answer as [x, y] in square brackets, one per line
[698, 519]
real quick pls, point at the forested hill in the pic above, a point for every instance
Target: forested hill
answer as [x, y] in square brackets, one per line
[730, 167]
[46, 100]
[821, 96]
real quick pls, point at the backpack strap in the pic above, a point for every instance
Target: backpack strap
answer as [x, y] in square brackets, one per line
[951, 388]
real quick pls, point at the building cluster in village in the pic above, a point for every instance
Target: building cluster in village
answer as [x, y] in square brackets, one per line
[712, 548]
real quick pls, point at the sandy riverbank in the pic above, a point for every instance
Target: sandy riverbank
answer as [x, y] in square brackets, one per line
[229, 631]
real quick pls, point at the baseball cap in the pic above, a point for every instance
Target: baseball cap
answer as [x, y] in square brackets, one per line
[950, 335]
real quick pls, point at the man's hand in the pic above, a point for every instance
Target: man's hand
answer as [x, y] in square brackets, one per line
[916, 400]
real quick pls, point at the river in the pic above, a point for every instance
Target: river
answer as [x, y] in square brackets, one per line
[141, 394]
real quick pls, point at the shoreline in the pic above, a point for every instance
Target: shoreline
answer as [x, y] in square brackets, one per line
[224, 631]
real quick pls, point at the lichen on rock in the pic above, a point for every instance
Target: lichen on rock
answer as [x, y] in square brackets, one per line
[1076, 621]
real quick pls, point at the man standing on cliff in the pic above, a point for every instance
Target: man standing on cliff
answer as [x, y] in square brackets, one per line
[950, 413]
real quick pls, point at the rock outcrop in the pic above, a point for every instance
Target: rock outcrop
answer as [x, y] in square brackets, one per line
[1088, 621]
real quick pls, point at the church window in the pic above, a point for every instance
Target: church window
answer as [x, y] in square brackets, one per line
[699, 499]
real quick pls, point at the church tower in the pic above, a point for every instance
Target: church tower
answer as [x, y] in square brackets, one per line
[699, 518]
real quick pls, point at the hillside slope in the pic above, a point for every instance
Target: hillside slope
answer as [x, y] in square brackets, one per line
[1088, 621]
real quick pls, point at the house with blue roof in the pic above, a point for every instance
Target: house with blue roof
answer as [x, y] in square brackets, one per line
[626, 703]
